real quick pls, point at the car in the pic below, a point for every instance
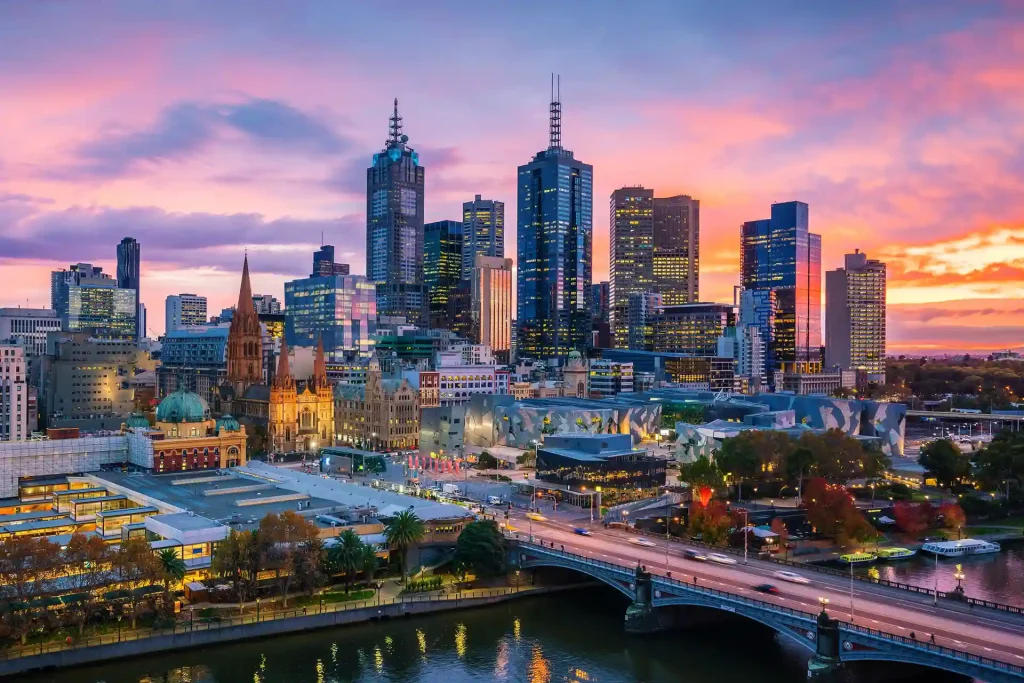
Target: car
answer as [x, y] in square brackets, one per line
[767, 588]
[721, 559]
[642, 541]
[581, 531]
[535, 517]
[695, 555]
[792, 577]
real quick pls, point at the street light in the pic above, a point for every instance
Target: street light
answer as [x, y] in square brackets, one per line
[823, 601]
[257, 609]
[959, 576]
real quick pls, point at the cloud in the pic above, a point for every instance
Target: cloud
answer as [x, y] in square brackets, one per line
[184, 129]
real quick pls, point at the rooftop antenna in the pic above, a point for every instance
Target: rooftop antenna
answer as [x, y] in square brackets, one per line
[555, 110]
[395, 126]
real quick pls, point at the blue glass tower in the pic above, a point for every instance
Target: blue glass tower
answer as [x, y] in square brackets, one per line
[442, 268]
[555, 235]
[341, 310]
[781, 255]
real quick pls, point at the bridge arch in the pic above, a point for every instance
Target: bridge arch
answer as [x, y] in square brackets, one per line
[797, 630]
[619, 579]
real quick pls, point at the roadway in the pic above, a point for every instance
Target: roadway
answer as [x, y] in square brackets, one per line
[882, 608]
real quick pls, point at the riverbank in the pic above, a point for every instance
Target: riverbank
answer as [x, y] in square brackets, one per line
[18, 661]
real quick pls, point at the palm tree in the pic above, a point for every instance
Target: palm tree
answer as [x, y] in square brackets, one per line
[404, 531]
[172, 568]
[347, 555]
[368, 560]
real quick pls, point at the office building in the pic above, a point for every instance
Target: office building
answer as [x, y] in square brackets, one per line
[14, 408]
[382, 415]
[676, 257]
[459, 380]
[28, 327]
[266, 304]
[192, 358]
[692, 329]
[609, 378]
[129, 261]
[780, 255]
[600, 301]
[631, 246]
[339, 309]
[678, 369]
[88, 300]
[555, 234]
[442, 269]
[324, 264]
[483, 232]
[855, 316]
[641, 310]
[184, 310]
[394, 227]
[492, 304]
[744, 345]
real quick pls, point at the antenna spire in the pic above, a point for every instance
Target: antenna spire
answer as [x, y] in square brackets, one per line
[395, 126]
[555, 111]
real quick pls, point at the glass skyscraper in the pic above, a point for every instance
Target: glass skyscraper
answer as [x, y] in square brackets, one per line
[631, 246]
[394, 227]
[129, 261]
[483, 232]
[780, 255]
[341, 308]
[676, 259]
[442, 268]
[89, 300]
[555, 235]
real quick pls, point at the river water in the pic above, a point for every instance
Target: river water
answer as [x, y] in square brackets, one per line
[569, 637]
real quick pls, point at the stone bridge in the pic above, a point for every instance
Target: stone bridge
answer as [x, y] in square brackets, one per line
[830, 641]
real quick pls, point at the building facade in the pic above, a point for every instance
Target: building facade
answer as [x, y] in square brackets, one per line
[189, 438]
[394, 227]
[606, 462]
[855, 317]
[129, 263]
[267, 304]
[341, 310]
[442, 269]
[29, 327]
[693, 329]
[184, 310]
[631, 247]
[610, 378]
[555, 235]
[383, 414]
[781, 255]
[14, 393]
[676, 257]
[301, 414]
[245, 340]
[459, 380]
[88, 300]
[194, 359]
[324, 264]
[491, 305]
[483, 232]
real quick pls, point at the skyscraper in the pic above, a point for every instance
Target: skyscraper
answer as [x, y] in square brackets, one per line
[89, 300]
[492, 304]
[394, 227]
[855, 316]
[483, 232]
[780, 255]
[324, 263]
[443, 243]
[129, 260]
[631, 245]
[600, 300]
[555, 234]
[676, 256]
[184, 310]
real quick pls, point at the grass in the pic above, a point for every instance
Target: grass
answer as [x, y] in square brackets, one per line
[335, 596]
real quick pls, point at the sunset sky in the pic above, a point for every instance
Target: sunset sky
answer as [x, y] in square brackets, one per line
[204, 128]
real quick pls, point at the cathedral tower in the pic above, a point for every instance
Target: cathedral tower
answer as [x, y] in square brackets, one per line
[245, 341]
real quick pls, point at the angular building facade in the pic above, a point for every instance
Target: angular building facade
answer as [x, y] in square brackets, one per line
[324, 264]
[394, 227]
[442, 268]
[555, 242]
[483, 232]
[855, 316]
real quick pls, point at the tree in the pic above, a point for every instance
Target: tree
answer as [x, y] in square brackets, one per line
[135, 567]
[953, 516]
[712, 522]
[799, 464]
[943, 460]
[25, 565]
[284, 536]
[839, 457]
[85, 560]
[738, 458]
[1001, 462]
[481, 548]
[347, 556]
[239, 559]
[832, 512]
[778, 527]
[308, 565]
[910, 517]
[172, 570]
[369, 562]
[702, 475]
[404, 531]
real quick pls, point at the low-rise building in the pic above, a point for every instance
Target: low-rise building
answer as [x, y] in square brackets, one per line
[607, 463]
[610, 378]
[384, 414]
[14, 393]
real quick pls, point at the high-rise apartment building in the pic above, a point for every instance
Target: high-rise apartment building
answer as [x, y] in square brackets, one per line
[267, 304]
[13, 393]
[340, 310]
[442, 268]
[184, 310]
[28, 327]
[129, 262]
[394, 227]
[555, 258]
[483, 232]
[87, 299]
[781, 255]
[675, 261]
[492, 304]
[631, 246]
[325, 265]
[855, 316]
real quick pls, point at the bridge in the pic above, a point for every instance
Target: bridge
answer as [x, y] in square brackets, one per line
[966, 417]
[830, 641]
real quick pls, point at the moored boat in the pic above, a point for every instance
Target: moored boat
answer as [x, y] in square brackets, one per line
[889, 554]
[857, 558]
[967, 546]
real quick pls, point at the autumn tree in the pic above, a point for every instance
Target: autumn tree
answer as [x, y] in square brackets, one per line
[135, 567]
[25, 566]
[711, 522]
[832, 512]
[952, 515]
[778, 528]
[910, 517]
[238, 560]
[288, 537]
[85, 568]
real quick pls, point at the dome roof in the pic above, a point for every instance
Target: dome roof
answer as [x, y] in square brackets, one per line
[137, 421]
[227, 422]
[183, 406]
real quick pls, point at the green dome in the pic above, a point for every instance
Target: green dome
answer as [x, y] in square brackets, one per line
[228, 423]
[183, 406]
[137, 421]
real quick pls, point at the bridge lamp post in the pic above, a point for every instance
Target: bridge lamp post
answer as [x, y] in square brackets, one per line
[959, 576]
[823, 601]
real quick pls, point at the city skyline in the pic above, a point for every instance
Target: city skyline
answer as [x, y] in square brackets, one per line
[263, 142]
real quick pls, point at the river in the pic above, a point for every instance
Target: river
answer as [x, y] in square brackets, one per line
[566, 638]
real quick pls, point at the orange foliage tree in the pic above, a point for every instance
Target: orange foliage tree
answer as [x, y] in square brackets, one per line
[832, 512]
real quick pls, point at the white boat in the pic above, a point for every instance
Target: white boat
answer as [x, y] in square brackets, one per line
[967, 546]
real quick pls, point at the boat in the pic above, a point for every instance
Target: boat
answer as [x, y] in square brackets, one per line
[889, 554]
[967, 546]
[857, 558]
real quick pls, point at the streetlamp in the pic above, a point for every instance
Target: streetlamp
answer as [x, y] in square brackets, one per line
[517, 579]
[823, 601]
[959, 576]
[257, 609]
[191, 617]
[119, 628]
[746, 532]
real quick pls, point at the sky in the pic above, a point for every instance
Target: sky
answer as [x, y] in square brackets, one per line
[205, 129]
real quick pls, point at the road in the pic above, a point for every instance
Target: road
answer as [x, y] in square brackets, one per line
[987, 635]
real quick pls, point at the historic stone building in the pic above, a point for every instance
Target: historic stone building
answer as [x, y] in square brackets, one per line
[301, 413]
[382, 415]
[186, 437]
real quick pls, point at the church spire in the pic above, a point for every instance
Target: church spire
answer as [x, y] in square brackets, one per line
[283, 378]
[320, 364]
[245, 304]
